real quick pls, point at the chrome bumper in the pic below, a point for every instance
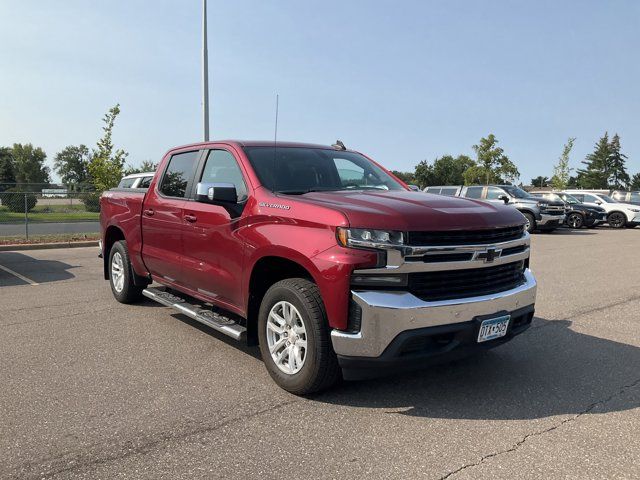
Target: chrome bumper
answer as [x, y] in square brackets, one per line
[545, 219]
[387, 314]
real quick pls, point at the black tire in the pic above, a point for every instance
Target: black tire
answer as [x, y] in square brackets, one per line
[127, 292]
[531, 222]
[320, 369]
[575, 220]
[617, 220]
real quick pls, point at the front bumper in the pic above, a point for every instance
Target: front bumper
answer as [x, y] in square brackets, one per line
[387, 315]
[550, 221]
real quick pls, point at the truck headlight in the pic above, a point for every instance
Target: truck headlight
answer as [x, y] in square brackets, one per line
[369, 238]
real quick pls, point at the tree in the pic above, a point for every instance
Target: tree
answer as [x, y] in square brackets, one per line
[72, 165]
[149, 166]
[540, 181]
[618, 176]
[106, 165]
[423, 174]
[29, 167]
[7, 170]
[596, 171]
[492, 165]
[634, 184]
[561, 171]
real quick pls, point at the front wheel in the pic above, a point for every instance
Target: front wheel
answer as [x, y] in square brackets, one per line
[531, 222]
[575, 220]
[617, 220]
[294, 337]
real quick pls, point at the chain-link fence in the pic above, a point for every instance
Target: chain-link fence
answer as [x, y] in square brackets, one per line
[48, 213]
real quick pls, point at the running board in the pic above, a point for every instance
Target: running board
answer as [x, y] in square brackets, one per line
[209, 318]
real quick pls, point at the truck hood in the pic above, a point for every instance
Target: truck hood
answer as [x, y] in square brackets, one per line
[418, 211]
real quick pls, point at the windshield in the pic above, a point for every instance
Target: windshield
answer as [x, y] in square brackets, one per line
[607, 199]
[517, 192]
[299, 170]
[570, 199]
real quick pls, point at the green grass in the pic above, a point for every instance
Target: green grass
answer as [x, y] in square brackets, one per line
[50, 238]
[50, 213]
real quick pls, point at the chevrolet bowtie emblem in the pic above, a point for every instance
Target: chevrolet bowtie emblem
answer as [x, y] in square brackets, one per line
[489, 255]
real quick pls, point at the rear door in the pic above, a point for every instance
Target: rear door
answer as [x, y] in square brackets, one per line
[162, 217]
[213, 251]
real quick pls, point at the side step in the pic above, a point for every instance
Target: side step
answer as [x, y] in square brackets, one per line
[207, 317]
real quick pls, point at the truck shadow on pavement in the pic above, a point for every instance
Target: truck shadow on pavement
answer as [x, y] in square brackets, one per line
[548, 370]
[39, 271]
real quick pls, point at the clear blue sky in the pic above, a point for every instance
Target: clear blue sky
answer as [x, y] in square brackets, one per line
[400, 80]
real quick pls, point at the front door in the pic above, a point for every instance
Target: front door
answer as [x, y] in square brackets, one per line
[162, 218]
[213, 251]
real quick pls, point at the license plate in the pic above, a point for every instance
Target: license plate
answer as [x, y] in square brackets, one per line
[493, 328]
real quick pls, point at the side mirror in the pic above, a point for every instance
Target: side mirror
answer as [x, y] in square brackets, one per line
[598, 202]
[414, 188]
[216, 193]
[504, 198]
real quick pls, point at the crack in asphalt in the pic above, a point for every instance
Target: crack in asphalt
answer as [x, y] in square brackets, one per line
[87, 458]
[524, 439]
[588, 311]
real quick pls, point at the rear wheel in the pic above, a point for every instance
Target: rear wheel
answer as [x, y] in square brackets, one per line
[121, 274]
[575, 220]
[531, 222]
[617, 220]
[294, 337]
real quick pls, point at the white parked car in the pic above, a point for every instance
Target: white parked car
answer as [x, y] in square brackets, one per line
[619, 214]
[137, 180]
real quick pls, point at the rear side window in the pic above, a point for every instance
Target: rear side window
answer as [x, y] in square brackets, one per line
[474, 192]
[178, 173]
[450, 191]
[578, 196]
[126, 182]
[221, 167]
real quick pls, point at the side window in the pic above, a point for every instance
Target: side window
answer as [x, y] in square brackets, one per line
[494, 193]
[126, 182]
[433, 190]
[145, 182]
[449, 191]
[221, 167]
[590, 198]
[578, 196]
[634, 197]
[177, 175]
[473, 192]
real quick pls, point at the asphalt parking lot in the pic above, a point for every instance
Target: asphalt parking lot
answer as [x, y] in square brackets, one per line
[91, 388]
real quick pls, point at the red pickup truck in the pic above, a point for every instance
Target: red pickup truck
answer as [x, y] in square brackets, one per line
[321, 256]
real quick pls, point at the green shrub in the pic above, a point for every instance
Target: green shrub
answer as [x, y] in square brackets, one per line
[92, 201]
[15, 201]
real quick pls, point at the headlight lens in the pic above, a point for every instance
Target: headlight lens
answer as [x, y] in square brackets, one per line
[543, 204]
[369, 238]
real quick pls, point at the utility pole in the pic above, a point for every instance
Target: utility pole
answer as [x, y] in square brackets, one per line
[205, 74]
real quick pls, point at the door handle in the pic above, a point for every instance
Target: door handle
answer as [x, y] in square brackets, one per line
[190, 218]
[149, 212]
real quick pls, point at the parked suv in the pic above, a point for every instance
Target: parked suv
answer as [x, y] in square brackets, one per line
[541, 214]
[626, 197]
[619, 214]
[577, 215]
[320, 256]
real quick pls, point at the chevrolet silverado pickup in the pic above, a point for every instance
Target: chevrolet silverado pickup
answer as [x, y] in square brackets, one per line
[321, 257]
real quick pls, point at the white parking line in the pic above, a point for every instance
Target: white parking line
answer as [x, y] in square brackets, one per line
[16, 274]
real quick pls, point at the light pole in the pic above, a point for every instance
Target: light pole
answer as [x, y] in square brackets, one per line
[205, 74]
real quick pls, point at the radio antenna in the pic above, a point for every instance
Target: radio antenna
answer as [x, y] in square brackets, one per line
[275, 146]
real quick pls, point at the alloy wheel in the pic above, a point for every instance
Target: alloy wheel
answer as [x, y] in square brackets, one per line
[286, 337]
[117, 272]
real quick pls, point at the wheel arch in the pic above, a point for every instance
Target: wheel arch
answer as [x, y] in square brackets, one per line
[112, 235]
[266, 271]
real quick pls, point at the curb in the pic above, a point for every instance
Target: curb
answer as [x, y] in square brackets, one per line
[46, 246]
